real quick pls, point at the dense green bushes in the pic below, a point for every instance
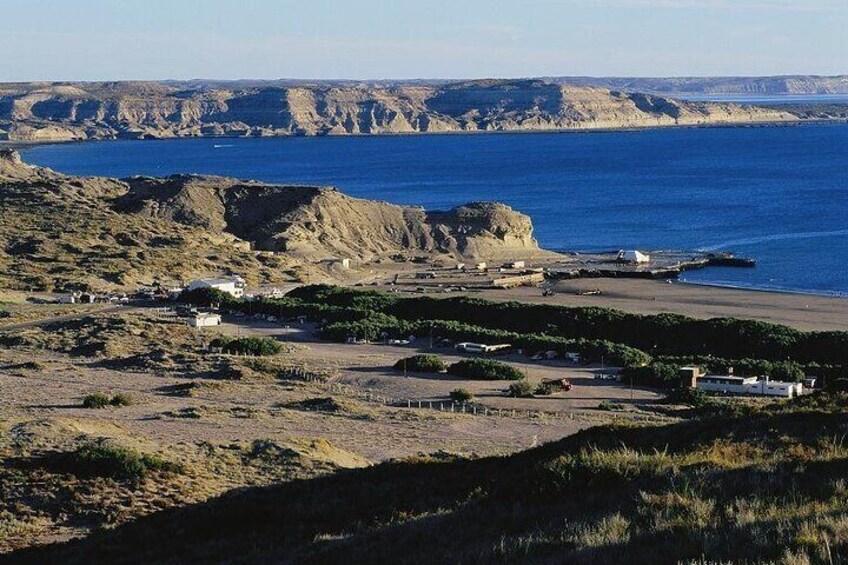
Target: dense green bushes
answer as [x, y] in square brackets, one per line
[95, 400]
[661, 334]
[520, 389]
[100, 400]
[422, 364]
[461, 395]
[485, 370]
[115, 462]
[617, 338]
[382, 324]
[662, 375]
[250, 345]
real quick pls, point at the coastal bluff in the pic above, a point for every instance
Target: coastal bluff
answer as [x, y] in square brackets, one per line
[33, 112]
[60, 231]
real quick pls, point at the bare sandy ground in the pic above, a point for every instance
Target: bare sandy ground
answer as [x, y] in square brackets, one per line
[805, 312]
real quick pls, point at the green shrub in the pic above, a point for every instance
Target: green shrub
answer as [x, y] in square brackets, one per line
[461, 395]
[116, 463]
[251, 345]
[520, 389]
[101, 400]
[544, 389]
[96, 400]
[485, 370]
[122, 399]
[692, 396]
[661, 375]
[422, 364]
[610, 406]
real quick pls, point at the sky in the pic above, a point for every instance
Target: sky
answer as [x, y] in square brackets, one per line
[382, 39]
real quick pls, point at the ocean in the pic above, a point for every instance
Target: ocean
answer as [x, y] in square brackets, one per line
[775, 194]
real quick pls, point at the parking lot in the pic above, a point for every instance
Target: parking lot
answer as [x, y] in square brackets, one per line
[370, 366]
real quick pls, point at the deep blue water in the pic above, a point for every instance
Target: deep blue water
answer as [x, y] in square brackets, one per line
[777, 194]
[769, 99]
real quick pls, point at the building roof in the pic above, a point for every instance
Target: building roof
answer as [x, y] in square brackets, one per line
[633, 255]
[731, 378]
[212, 282]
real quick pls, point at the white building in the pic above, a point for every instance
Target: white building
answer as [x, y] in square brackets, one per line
[480, 347]
[727, 384]
[204, 319]
[767, 387]
[515, 265]
[633, 256]
[233, 286]
[69, 298]
[730, 384]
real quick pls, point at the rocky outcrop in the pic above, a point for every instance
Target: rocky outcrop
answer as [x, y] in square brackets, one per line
[318, 223]
[59, 232]
[61, 112]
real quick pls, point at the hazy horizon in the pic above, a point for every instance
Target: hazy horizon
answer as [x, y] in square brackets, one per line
[98, 40]
[213, 79]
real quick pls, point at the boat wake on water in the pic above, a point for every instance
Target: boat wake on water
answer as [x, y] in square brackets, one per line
[774, 237]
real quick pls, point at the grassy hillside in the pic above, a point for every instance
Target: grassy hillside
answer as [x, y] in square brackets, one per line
[768, 485]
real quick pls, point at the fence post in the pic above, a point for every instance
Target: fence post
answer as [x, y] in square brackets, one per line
[474, 409]
[408, 403]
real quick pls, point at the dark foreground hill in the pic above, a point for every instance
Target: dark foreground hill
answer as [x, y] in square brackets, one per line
[757, 486]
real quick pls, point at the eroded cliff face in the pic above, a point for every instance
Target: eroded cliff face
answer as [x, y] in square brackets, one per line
[317, 223]
[81, 111]
[58, 231]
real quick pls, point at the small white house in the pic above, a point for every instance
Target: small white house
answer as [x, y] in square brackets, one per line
[274, 293]
[204, 320]
[481, 266]
[233, 286]
[515, 265]
[633, 256]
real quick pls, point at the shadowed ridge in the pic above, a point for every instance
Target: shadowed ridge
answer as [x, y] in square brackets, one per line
[607, 494]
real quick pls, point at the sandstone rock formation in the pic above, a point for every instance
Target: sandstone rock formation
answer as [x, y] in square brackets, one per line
[58, 231]
[61, 112]
[318, 223]
[773, 85]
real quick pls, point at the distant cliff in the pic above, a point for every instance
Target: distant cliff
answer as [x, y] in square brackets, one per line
[133, 110]
[774, 85]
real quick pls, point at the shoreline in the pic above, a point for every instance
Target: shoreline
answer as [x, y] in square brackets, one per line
[801, 122]
[799, 292]
[805, 312]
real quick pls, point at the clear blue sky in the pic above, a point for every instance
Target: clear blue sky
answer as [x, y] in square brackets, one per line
[181, 39]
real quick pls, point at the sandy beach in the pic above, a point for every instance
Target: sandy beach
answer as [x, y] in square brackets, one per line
[805, 312]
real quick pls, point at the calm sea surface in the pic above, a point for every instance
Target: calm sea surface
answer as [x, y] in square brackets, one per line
[777, 194]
